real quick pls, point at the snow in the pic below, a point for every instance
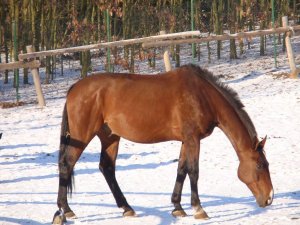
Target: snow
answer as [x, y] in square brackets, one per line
[146, 173]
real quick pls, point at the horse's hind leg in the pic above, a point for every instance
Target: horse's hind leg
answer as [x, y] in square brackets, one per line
[107, 166]
[74, 138]
[66, 165]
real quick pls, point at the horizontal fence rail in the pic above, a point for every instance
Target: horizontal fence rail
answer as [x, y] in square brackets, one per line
[107, 45]
[160, 40]
[28, 60]
[19, 64]
[223, 37]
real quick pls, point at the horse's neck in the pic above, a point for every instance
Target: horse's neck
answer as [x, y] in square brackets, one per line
[236, 129]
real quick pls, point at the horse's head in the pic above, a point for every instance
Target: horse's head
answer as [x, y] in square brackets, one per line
[254, 172]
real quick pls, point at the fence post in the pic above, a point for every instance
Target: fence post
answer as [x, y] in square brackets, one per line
[16, 46]
[289, 50]
[37, 82]
[274, 35]
[108, 32]
[167, 61]
[193, 28]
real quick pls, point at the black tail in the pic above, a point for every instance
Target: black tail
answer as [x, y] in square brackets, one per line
[64, 143]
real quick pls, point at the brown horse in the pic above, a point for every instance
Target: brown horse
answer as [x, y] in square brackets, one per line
[183, 105]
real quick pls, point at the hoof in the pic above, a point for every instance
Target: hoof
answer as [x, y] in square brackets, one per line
[59, 218]
[129, 213]
[178, 213]
[201, 215]
[57, 221]
[70, 215]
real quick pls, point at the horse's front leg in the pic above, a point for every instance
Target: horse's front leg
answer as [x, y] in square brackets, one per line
[193, 172]
[188, 164]
[192, 154]
[108, 167]
[181, 175]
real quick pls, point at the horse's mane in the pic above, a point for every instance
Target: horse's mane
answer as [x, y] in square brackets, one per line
[229, 94]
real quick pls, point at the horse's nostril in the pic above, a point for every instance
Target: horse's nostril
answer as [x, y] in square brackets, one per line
[269, 201]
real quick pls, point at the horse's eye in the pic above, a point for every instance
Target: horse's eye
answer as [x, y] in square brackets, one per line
[259, 166]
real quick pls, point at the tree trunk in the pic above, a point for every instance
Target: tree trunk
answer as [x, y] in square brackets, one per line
[126, 26]
[232, 25]
[33, 27]
[47, 41]
[85, 63]
[208, 52]
[15, 35]
[217, 9]
[53, 37]
[177, 56]
[6, 50]
[25, 35]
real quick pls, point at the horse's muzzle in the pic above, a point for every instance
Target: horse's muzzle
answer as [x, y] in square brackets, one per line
[270, 199]
[264, 203]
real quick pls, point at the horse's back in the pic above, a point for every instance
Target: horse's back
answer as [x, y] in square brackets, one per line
[140, 108]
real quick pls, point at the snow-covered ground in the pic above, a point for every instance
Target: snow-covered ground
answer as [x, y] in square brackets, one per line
[146, 173]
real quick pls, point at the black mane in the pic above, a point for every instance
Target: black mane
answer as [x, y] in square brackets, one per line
[215, 81]
[229, 94]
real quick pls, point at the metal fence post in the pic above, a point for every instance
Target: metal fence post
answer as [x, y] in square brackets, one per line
[274, 35]
[108, 40]
[193, 28]
[16, 71]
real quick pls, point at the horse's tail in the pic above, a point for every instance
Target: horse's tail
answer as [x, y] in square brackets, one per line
[63, 163]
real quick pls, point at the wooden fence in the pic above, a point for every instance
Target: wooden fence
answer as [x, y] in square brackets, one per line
[28, 60]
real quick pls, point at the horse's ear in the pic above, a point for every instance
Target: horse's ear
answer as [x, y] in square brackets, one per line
[262, 142]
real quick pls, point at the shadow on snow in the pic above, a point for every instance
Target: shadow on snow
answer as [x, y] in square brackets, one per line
[247, 207]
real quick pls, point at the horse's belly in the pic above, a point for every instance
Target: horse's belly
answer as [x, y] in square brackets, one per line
[143, 130]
